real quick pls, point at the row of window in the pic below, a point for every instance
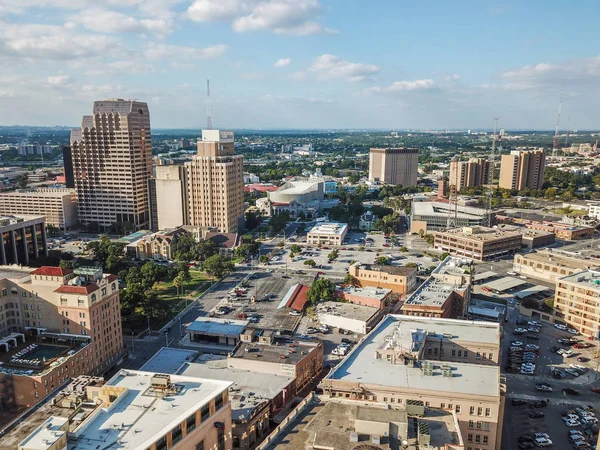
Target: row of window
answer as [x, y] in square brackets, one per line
[479, 439]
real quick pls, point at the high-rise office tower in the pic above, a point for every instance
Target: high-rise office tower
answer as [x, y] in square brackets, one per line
[394, 165]
[172, 203]
[523, 169]
[216, 183]
[112, 163]
[472, 173]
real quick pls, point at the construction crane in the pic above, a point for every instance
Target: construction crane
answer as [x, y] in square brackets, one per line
[490, 190]
[208, 114]
[555, 141]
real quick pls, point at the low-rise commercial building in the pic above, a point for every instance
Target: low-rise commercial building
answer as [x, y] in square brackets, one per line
[577, 302]
[550, 265]
[327, 233]
[434, 216]
[22, 238]
[212, 332]
[58, 206]
[445, 294]
[444, 364]
[563, 231]
[300, 190]
[370, 296]
[348, 316]
[486, 310]
[536, 238]
[479, 243]
[133, 410]
[401, 280]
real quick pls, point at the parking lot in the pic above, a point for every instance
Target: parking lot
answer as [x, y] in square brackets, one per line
[264, 313]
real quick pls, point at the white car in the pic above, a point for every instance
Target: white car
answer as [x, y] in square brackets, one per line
[511, 273]
[295, 313]
[567, 353]
[543, 442]
[572, 372]
[560, 327]
[589, 420]
[572, 423]
[573, 331]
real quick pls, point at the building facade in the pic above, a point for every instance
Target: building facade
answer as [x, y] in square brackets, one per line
[472, 173]
[550, 266]
[577, 302]
[22, 238]
[112, 163]
[394, 165]
[479, 243]
[523, 169]
[216, 183]
[172, 202]
[74, 316]
[434, 216]
[58, 206]
[401, 280]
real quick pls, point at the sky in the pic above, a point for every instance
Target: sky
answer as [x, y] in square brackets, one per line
[297, 64]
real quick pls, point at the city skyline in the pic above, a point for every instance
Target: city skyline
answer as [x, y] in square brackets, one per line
[307, 64]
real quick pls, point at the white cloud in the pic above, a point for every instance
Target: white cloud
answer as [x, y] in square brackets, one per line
[282, 62]
[568, 75]
[157, 51]
[453, 77]
[398, 86]
[295, 17]
[330, 66]
[60, 80]
[105, 21]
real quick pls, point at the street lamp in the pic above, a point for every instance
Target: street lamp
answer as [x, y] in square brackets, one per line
[132, 343]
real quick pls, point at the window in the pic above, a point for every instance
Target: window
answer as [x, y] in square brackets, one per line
[491, 356]
[176, 434]
[485, 439]
[220, 439]
[453, 352]
[457, 410]
[472, 410]
[218, 402]
[478, 425]
[466, 354]
[161, 444]
[24, 294]
[488, 412]
[469, 438]
[478, 355]
[103, 291]
[459, 353]
[204, 413]
[190, 423]
[486, 426]
[478, 439]
[429, 351]
[450, 406]
[479, 411]
[93, 297]
[200, 445]
[443, 406]
[471, 423]
[25, 306]
[114, 288]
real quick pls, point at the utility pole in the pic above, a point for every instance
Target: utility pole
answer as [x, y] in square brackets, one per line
[555, 140]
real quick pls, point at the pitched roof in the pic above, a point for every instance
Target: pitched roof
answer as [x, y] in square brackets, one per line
[298, 297]
[227, 240]
[51, 271]
[86, 289]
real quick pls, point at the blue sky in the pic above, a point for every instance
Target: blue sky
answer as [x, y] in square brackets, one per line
[389, 64]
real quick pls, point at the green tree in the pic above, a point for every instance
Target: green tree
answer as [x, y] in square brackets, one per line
[150, 272]
[66, 264]
[350, 280]
[217, 266]
[444, 255]
[321, 289]
[382, 260]
[263, 259]
[183, 247]
[295, 248]
[412, 265]
[333, 255]
[252, 219]
[178, 282]
[310, 263]
[279, 222]
[388, 224]
[21, 181]
[403, 249]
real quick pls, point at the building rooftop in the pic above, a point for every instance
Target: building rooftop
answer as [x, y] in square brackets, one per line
[390, 269]
[168, 360]
[295, 298]
[560, 260]
[481, 233]
[333, 228]
[349, 310]
[505, 284]
[586, 278]
[46, 434]
[52, 271]
[486, 308]
[443, 209]
[284, 353]
[339, 425]
[367, 291]
[50, 193]
[297, 187]
[432, 293]
[247, 392]
[409, 333]
[217, 327]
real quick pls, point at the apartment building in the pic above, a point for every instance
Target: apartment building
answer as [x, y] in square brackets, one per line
[551, 265]
[523, 169]
[445, 294]
[401, 280]
[445, 364]
[133, 410]
[58, 206]
[56, 324]
[577, 302]
[327, 233]
[22, 238]
[112, 163]
[475, 172]
[394, 165]
[479, 243]
[216, 183]
[172, 202]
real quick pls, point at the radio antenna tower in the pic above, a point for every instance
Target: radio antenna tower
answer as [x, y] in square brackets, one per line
[452, 219]
[208, 115]
[490, 189]
[555, 141]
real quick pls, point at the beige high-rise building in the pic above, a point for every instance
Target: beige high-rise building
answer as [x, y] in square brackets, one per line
[394, 165]
[216, 183]
[472, 173]
[172, 203]
[112, 163]
[523, 169]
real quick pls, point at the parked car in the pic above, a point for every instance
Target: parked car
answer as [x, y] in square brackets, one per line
[570, 391]
[543, 387]
[518, 402]
[572, 423]
[536, 414]
[295, 313]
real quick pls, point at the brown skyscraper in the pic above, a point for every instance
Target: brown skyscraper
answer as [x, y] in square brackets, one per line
[112, 163]
[216, 183]
[394, 165]
[523, 169]
[472, 173]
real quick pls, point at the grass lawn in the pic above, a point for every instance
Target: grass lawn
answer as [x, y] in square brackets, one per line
[168, 292]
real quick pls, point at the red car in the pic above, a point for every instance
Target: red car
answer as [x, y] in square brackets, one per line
[386, 245]
[485, 289]
[596, 390]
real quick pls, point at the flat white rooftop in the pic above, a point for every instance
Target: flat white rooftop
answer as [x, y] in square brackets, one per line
[361, 364]
[505, 284]
[589, 278]
[168, 360]
[299, 187]
[46, 434]
[137, 419]
[333, 228]
[442, 209]
[347, 310]
[367, 291]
